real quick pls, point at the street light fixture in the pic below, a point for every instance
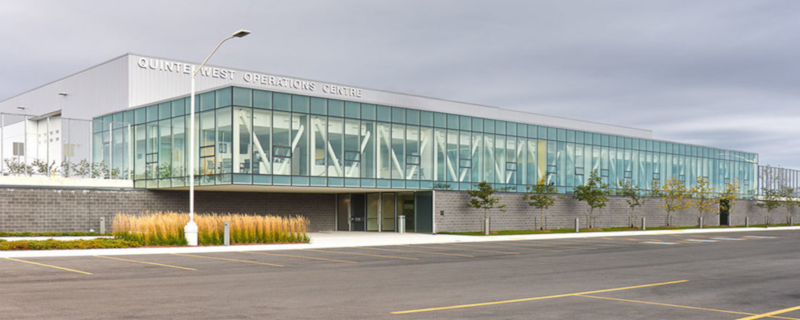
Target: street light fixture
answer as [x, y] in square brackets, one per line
[190, 230]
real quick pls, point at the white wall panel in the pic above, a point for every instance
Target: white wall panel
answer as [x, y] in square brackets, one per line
[99, 89]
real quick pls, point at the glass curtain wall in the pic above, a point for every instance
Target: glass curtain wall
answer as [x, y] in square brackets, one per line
[257, 137]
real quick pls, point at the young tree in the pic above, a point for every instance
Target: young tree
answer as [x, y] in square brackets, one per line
[703, 198]
[482, 199]
[593, 193]
[728, 197]
[674, 194]
[770, 201]
[634, 198]
[540, 196]
[788, 200]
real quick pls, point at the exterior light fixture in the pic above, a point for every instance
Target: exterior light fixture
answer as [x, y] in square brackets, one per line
[190, 230]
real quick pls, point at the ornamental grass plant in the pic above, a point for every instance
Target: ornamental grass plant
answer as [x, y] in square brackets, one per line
[166, 228]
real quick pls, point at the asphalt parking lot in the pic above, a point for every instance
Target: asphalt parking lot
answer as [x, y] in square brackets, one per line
[746, 275]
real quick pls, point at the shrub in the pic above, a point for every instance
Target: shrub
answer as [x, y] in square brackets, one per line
[166, 229]
[62, 245]
[47, 234]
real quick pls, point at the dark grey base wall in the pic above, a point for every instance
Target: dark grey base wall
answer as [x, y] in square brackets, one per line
[520, 216]
[68, 210]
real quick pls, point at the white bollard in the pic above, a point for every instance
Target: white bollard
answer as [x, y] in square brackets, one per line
[190, 232]
[226, 234]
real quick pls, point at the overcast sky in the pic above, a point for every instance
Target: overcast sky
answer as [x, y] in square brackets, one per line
[718, 73]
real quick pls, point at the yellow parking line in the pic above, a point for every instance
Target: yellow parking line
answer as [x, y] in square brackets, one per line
[537, 298]
[415, 251]
[301, 257]
[49, 266]
[769, 314]
[362, 254]
[475, 250]
[672, 305]
[226, 259]
[144, 262]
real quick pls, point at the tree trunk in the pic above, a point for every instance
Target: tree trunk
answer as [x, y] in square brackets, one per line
[541, 218]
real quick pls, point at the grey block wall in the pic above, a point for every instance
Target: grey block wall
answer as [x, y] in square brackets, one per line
[520, 216]
[68, 210]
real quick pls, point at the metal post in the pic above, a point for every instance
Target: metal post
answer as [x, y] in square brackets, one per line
[110, 149]
[130, 152]
[747, 222]
[102, 225]
[401, 223]
[227, 233]
[644, 224]
[2, 141]
[25, 142]
[47, 144]
[486, 226]
[190, 230]
[91, 148]
[700, 222]
[577, 225]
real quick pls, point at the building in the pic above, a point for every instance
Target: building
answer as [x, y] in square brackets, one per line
[360, 157]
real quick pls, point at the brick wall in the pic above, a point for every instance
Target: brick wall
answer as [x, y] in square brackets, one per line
[520, 216]
[67, 210]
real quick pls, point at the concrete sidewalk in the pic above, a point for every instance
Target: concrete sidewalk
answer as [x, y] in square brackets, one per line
[338, 239]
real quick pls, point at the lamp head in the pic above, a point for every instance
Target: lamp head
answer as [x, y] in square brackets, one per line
[240, 33]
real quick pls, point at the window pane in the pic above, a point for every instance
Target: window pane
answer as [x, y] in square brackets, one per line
[299, 104]
[281, 101]
[262, 99]
[262, 142]
[242, 97]
[352, 109]
[223, 97]
[242, 133]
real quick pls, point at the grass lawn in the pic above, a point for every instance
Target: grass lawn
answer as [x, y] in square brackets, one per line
[572, 230]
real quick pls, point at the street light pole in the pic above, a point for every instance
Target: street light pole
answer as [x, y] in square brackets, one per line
[190, 230]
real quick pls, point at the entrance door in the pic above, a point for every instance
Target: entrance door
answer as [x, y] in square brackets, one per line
[387, 211]
[357, 211]
[405, 206]
[373, 211]
[343, 212]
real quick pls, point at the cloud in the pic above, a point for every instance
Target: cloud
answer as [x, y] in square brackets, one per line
[722, 74]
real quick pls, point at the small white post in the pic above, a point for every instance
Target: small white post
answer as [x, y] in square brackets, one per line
[227, 234]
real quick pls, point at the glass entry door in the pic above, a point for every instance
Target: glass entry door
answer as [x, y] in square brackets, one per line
[405, 206]
[373, 211]
[387, 211]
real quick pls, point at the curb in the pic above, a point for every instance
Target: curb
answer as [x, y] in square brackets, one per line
[362, 240]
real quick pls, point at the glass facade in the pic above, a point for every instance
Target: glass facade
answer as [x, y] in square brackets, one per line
[254, 137]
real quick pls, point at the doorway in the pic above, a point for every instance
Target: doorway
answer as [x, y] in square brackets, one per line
[379, 211]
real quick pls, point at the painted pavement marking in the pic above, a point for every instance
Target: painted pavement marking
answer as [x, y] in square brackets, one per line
[49, 266]
[535, 298]
[145, 262]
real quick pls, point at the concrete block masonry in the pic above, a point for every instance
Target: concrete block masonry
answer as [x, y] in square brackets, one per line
[520, 216]
[68, 210]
